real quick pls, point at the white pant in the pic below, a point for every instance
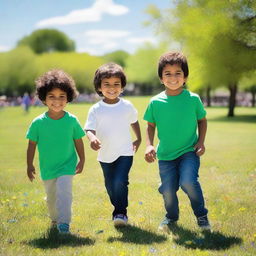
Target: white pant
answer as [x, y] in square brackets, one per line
[59, 198]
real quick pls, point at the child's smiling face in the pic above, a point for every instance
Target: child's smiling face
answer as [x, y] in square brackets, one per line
[56, 100]
[173, 79]
[111, 88]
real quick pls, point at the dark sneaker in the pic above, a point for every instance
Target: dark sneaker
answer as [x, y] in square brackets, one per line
[165, 225]
[203, 222]
[63, 228]
[120, 220]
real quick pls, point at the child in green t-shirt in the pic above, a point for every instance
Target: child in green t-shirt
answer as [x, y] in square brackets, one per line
[58, 135]
[178, 114]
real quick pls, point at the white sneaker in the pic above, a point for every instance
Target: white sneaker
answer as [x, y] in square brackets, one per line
[120, 220]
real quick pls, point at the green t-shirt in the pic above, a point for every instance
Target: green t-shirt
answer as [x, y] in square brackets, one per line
[55, 141]
[176, 122]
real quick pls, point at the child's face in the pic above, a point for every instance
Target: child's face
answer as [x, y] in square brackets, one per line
[111, 88]
[173, 78]
[56, 100]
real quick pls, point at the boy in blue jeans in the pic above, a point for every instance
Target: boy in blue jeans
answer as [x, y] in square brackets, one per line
[177, 113]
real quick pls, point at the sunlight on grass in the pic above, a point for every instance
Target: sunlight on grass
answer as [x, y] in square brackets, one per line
[227, 176]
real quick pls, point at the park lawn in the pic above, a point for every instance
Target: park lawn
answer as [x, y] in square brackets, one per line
[227, 176]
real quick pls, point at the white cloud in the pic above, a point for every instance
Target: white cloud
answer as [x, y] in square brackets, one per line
[140, 40]
[92, 14]
[4, 48]
[105, 36]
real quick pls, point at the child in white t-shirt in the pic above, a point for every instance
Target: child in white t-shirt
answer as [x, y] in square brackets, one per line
[108, 130]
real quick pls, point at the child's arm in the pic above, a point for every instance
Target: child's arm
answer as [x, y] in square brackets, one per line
[94, 141]
[136, 129]
[202, 128]
[30, 158]
[80, 151]
[150, 154]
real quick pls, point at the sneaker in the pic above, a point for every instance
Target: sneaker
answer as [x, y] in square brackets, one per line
[63, 228]
[120, 220]
[165, 224]
[203, 222]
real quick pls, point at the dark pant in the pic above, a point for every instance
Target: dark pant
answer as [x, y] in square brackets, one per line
[181, 172]
[116, 182]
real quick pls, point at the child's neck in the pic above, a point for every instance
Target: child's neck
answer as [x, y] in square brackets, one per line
[110, 101]
[173, 92]
[56, 115]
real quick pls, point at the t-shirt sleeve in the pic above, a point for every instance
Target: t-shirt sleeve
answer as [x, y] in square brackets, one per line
[133, 115]
[78, 130]
[90, 123]
[200, 111]
[148, 116]
[32, 133]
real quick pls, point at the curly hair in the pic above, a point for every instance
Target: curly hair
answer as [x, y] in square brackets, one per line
[56, 78]
[106, 71]
[172, 58]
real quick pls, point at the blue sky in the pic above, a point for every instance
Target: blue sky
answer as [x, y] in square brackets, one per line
[96, 26]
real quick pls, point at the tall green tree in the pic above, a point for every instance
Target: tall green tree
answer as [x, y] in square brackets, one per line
[217, 36]
[48, 40]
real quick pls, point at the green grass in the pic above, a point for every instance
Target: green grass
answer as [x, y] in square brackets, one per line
[227, 176]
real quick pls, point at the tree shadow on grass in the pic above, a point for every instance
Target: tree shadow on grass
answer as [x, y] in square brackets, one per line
[136, 235]
[52, 240]
[235, 119]
[206, 240]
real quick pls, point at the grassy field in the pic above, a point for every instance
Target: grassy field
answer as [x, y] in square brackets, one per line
[227, 176]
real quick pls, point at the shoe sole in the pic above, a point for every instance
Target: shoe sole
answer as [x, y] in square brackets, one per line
[119, 223]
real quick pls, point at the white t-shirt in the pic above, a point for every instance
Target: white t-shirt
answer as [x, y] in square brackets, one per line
[112, 122]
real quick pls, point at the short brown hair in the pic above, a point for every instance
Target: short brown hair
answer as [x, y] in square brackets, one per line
[172, 58]
[56, 78]
[106, 71]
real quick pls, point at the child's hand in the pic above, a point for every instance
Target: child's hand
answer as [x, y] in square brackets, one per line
[79, 167]
[136, 145]
[150, 154]
[95, 144]
[31, 172]
[199, 148]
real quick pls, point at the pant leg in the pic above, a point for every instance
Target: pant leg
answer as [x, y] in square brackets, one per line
[108, 172]
[121, 181]
[169, 186]
[188, 167]
[64, 198]
[50, 189]
[116, 176]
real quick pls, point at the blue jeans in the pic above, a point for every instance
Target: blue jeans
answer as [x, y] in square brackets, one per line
[181, 172]
[117, 181]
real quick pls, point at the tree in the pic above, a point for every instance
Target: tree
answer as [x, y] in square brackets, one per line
[17, 71]
[217, 35]
[48, 40]
[118, 57]
[141, 68]
[80, 66]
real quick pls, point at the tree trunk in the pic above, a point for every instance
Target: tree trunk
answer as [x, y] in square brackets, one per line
[232, 100]
[208, 96]
[253, 98]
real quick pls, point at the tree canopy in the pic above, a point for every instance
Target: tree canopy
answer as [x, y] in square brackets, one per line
[48, 40]
[217, 36]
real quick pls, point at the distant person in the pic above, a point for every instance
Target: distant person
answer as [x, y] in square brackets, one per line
[178, 114]
[26, 101]
[108, 130]
[58, 135]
